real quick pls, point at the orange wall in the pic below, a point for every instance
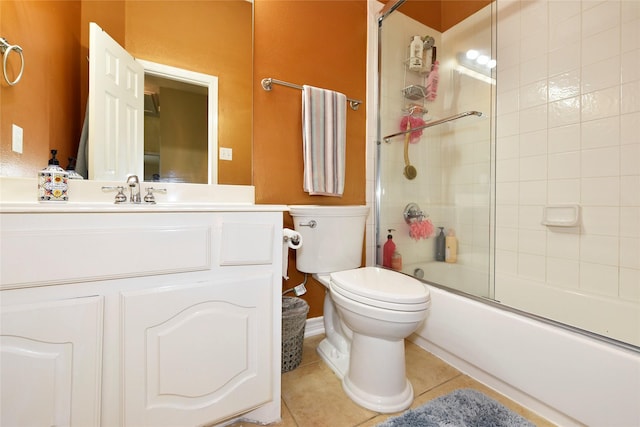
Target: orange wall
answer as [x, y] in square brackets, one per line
[320, 43]
[49, 102]
[48, 32]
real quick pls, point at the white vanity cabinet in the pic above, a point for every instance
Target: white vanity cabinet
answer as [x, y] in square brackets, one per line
[149, 318]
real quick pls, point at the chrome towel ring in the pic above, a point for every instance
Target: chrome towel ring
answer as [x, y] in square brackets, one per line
[6, 48]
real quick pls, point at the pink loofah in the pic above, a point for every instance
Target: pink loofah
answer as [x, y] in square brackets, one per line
[413, 122]
[420, 229]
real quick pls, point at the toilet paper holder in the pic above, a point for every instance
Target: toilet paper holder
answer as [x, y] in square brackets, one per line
[293, 239]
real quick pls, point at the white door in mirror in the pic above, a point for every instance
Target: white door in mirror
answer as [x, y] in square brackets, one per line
[116, 110]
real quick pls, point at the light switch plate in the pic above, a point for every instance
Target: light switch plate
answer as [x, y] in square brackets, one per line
[226, 153]
[16, 139]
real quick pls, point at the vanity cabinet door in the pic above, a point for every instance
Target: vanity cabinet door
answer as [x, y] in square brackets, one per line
[51, 363]
[197, 353]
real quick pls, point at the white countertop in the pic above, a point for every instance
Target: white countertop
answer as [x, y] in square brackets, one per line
[19, 195]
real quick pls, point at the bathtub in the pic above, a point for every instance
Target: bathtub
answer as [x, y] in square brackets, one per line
[568, 377]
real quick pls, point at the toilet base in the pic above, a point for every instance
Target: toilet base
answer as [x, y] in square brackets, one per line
[376, 378]
[337, 361]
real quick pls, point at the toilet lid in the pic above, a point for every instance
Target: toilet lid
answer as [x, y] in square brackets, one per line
[381, 287]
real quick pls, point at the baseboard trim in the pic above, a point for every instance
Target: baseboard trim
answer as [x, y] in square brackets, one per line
[314, 326]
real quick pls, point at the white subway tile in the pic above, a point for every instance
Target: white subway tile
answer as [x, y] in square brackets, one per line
[565, 58]
[601, 75]
[600, 18]
[564, 165]
[630, 190]
[530, 217]
[534, 44]
[630, 100]
[508, 124]
[533, 143]
[560, 11]
[507, 216]
[533, 119]
[506, 262]
[507, 193]
[533, 69]
[563, 138]
[599, 249]
[532, 266]
[564, 112]
[630, 253]
[598, 278]
[533, 94]
[533, 192]
[630, 159]
[565, 32]
[601, 220]
[563, 243]
[630, 128]
[532, 242]
[630, 284]
[533, 168]
[533, 16]
[601, 46]
[563, 273]
[601, 133]
[564, 85]
[508, 102]
[508, 170]
[630, 65]
[630, 34]
[507, 239]
[630, 222]
[563, 191]
[600, 162]
[600, 191]
[601, 104]
[507, 147]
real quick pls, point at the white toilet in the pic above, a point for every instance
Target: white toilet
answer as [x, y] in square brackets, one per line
[368, 312]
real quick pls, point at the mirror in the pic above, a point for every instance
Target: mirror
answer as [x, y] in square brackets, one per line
[208, 36]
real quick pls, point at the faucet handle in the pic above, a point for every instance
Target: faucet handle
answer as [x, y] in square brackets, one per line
[149, 197]
[120, 197]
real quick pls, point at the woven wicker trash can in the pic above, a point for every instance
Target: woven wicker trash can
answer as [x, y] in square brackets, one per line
[294, 318]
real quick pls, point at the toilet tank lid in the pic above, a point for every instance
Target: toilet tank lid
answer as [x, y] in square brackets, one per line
[382, 284]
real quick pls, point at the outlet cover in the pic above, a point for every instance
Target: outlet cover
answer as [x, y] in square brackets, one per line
[226, 153]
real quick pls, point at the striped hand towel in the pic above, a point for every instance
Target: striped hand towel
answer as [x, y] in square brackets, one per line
[324, 114]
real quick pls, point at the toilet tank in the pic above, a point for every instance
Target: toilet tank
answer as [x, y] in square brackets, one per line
[335, 242]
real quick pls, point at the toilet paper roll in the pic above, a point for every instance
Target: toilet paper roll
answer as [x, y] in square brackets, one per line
[291, 239]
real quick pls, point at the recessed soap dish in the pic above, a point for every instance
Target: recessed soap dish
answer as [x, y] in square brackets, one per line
[561, 215]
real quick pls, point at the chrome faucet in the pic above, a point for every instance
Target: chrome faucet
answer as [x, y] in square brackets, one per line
[134, 189]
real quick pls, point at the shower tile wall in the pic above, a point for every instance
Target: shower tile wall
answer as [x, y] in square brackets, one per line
[452, 159]
[568, 132]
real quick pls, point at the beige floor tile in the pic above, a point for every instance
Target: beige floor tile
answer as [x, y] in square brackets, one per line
[424, 370]
[314, 395]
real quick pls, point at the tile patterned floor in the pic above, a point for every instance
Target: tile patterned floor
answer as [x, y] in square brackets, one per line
[312, 395]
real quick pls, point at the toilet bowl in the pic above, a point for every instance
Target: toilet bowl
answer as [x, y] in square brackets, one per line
[368, 312]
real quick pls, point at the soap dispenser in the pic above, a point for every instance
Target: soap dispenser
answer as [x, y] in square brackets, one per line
[388, 250]
[53, 181]
[451, 251]
[440, 245]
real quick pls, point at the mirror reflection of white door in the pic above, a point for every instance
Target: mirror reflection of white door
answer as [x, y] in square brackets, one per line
[116, 110]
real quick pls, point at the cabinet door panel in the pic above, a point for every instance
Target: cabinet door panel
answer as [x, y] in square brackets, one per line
[197, 353]
[50, 363]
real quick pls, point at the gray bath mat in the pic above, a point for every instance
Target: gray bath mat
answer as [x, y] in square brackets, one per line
[460, 408]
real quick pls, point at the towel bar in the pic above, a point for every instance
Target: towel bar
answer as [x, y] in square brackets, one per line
[267, 83]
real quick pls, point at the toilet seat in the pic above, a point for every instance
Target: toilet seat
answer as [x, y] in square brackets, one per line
[381, 288]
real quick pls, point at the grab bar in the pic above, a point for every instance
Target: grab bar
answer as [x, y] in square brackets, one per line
[430, 124]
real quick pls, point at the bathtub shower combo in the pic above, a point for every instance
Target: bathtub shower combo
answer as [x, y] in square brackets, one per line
[547, 267]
